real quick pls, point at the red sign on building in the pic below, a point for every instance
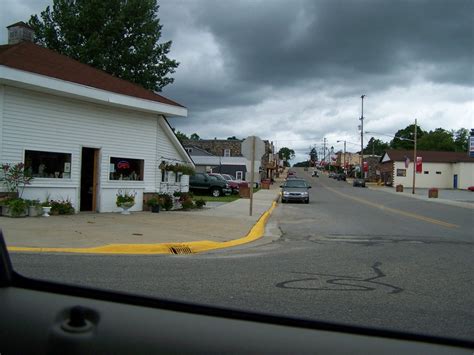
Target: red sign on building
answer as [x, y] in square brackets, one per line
[366, 166]
[419, 165]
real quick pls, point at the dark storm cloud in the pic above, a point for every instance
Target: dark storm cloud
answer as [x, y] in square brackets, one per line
[276, 42]
[359, 45]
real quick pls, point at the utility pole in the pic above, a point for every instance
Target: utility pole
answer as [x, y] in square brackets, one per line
[362, 138]
[414, 161]
[345, 170]
[324, 150]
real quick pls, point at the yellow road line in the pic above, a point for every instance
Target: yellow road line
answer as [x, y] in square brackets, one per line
[255, 233]
[394, 210]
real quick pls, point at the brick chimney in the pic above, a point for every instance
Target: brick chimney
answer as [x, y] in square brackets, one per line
[20, 32]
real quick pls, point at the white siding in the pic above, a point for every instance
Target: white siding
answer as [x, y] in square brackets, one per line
[36, 121]
[442, 181]
[465, 172]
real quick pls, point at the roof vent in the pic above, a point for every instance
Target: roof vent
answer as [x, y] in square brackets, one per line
[20, 32]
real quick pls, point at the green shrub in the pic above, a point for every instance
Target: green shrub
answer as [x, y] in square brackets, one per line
[166, 201]
[200, 203]
[17, 206]
[153, 201]
[61, 207]
[187, 204]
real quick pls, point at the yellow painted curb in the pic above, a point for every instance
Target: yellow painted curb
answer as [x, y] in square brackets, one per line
[255, 233]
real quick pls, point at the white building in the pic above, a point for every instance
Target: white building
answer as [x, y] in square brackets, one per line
[444, 170]
[82, 133]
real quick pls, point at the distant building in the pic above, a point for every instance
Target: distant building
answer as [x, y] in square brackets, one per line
[232, 148]
[439, 169]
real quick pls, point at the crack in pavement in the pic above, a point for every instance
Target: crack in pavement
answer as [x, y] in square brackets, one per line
[341, 282]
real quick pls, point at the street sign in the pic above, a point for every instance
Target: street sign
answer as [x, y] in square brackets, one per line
[253, 149]
[247, 148]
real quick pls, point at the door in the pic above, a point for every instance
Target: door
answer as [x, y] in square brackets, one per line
[455, 182]
[89, 179]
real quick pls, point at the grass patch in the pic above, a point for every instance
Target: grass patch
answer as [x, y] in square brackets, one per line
[229, 198]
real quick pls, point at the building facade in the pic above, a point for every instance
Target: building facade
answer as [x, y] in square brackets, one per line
[82, 134]
[449, 170]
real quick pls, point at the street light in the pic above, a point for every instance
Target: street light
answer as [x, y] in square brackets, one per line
[345, 171]
[362, 136]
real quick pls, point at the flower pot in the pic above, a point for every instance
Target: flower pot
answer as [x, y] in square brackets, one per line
[7, 212]
[155, 209]
[46, 211]
[125, 207]
[34, 211]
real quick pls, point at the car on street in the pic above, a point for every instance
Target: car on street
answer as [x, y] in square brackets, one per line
[358, 182]
[341, 177]
[295, 190]
[315, 173]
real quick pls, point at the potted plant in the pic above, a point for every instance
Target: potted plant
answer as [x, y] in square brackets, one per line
[166, 201]
[46, 207]
[15, 178]
[16, 207]
[34, 208]
[125, 200]
[154, 204]
[62, 207]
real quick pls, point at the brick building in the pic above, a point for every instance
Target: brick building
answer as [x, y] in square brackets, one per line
[218, 147]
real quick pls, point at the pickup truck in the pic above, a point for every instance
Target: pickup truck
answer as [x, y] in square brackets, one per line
[204, 182]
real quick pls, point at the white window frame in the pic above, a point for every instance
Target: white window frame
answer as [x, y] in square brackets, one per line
[226, 152]
[239, 175]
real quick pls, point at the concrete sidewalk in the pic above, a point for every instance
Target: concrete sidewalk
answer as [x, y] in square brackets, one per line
[459, 198]
[222, 223]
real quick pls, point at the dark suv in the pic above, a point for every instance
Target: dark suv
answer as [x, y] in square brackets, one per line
[204, 182]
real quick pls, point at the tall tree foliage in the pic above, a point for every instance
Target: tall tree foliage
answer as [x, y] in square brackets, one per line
[438, 139]
[286, 154]
[461, 140]
[313, 154]
[408, 133]
[376, 147]
[117, 36]
[181, 136]
[302, 164]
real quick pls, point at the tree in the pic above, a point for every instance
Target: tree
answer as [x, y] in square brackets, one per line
[286, 154]
[439, 139]
[313, 155]
[407, 133]
[301, 164]
[195, 137]
[181, 136]
[117, 36]
[461, 139]
[376, 147]
[233, 138]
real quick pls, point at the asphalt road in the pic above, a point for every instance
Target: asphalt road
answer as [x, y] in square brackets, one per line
[353, 255]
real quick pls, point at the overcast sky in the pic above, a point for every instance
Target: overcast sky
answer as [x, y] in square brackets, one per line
[293, 71]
